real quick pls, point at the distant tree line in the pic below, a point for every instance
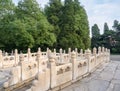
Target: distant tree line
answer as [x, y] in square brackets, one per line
[110, 38]
[58, 25]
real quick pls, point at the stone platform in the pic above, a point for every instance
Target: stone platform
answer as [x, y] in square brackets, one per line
[105, 78]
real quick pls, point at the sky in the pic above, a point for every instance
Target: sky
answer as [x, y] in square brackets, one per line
[98, 11]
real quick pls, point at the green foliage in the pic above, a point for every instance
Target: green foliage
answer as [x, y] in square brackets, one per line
[115, 25]
[106, 28]
[53, 13]
[110, 39]
[95, 36]
[26, 25]
[95, 31]
[36, 23]
[74, 26]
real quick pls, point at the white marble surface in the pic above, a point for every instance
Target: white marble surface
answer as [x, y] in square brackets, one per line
[4, 76]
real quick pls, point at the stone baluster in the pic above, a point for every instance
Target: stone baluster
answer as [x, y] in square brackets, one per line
[76, 51]
[103, 49]
[74, 64]
[88, 53]
[69, 53]
[55, 52]
[108, 55]
[100, 54]
[6, 54]
[38, 58]
[21, 57]
[12, 52]
[16, 57]
[81, 53]
[39, 49]
[52, 66]
[103, 54]
[106, 50]
[1, 59]
[61, 55]
[69, 50]
[47, 53]
[88, 56]
[29, 54]
[20, 63]
[64, 52]
[64, 56]
[95, 55]
[94, 51]
[99, 50]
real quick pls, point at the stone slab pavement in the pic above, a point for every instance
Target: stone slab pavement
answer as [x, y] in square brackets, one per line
[105, 78]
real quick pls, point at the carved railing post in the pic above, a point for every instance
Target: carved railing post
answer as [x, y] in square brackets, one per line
[95, 55]
[108, 55]
[61, 55]
[55, 52]
[64, 51]
[38, 58]
[103, 49]
[94, 51]
[21, 57]
[12, 52]
[6, 54]
[99, 50]
[69, 53]
[16, 57]
[99, 54]
[47, 53]
[39, 49]
[88, 56]
[21, 62]
[1, 59]
[29, 54]
[76, 50]
[73, 61]
[52, 66]
[81, 53]
[103, 54]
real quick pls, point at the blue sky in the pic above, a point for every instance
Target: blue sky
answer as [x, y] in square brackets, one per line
[98, 11]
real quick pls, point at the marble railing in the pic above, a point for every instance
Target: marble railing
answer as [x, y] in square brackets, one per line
[52, 70]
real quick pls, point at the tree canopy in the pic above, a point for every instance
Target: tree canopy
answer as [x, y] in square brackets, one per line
[72, 22]
[61, 24]
[109, 39]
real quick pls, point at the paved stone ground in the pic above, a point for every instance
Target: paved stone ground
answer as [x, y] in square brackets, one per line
[115, 57]
[105, 78]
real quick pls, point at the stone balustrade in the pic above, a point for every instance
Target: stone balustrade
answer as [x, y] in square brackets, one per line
[51, 70]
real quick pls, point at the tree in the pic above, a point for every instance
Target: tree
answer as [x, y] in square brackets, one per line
[106, 28]
[53, 12]
[6, 16]
[20, 38]
[95, 31]
[115, 25]
[95, 36]
[74, 26]
[6, 8]
[28, 12]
